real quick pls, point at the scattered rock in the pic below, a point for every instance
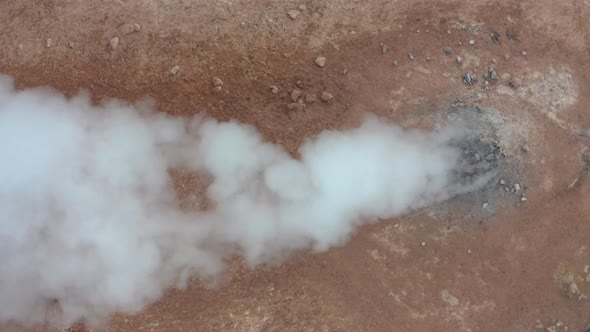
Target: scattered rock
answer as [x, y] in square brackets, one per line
[525, 148]
[295, 94]
[469, 79]
[513, 84]
[320, 61]
[428, 58]
[129, 28]
[293, 14]
[485, 205]
[495, 37]
[174, 70]
[242, 24]
[48, 43]
[471, 42]
[299, 84]
[216, 89]
[395, 62]
[384, 48]
[423, 244]
[493, 74]
[469, 251]
[448, 50]
[411, 56]
[293, 107]
[459, 60]
[310, 98]
[523, 53]
[71, 45]
[516, 187]
[114, 42]
[274, 89]
[448, 298]
[216, 81]
[326, 97]
[302, 8]
[502, 182]
[506, 56]
[494, 61]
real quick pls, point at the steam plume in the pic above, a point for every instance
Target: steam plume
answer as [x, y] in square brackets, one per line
[89, 216]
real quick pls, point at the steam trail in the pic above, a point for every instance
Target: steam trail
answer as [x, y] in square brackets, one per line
[89, 216]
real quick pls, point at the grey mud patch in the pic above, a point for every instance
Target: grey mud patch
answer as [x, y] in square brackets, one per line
[491, 155]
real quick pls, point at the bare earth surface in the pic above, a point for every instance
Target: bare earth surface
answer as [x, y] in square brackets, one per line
[454, 267]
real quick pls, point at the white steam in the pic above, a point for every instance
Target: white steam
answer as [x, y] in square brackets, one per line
[89, 216]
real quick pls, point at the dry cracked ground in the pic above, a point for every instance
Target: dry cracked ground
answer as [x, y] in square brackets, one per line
[499, 260]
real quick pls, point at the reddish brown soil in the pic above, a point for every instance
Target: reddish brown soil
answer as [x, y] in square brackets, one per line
[499, 275]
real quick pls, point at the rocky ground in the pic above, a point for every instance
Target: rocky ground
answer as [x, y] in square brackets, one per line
[514, 256]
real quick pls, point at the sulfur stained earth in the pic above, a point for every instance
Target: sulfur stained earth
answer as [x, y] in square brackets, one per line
[489, 261]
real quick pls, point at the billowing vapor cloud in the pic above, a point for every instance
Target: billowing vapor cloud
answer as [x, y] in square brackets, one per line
[89, 216]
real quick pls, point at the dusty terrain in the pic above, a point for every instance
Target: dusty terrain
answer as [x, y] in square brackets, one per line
[454, 267]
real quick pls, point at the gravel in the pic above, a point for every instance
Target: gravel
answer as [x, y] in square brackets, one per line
[411, 56]
[274, 89]
[48, 43]
[327, 97]
[293, 14]
[114, 42]
[506, 56]
[320, 61]
[459, 60]
[448, 50]
[523, 53]
[174, 70]
[469, 79]
[216, 81]
[295, 94]
[384, 48]
[471, 42]
[129, 28]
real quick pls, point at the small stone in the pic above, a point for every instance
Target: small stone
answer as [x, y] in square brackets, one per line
[129, 28]
[516, 187]
[506, 56]
[469, 251]
[174, 70]
[395, 62]
[344, 71]
[217, 89]
[448, 50]
[468, 79]
[460, 43]
[302, 8]
[326, 97]
[310, 98]
[48, 43]
[471, 42]
[494, 61]
[523, 199]
[493, 74]
[216, 81]
[525, 148]
[587, 269]
[459, 60]
[513, 84]
[428, 58]
[295, 94]
[320, 61]
[485, 205]
[293, 107]
[411, 56]
[502, 182]
[242, 24]
[114, 42]
[423, 244]
[293, 14]
[486, 75]
[274, 89]
[506, 189]
[523, 53]
[71, 44]
[384, 48]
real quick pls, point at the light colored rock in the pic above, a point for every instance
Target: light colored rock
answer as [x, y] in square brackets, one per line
[295, 94]
[293, 14]
[114, 42]
[217, 89]
[174, 70]
[129, 28]
[216, 81]
[327, 97]
[274, 89]
[310, 98]
[293, 107]
[320, 61]
[48, 43]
